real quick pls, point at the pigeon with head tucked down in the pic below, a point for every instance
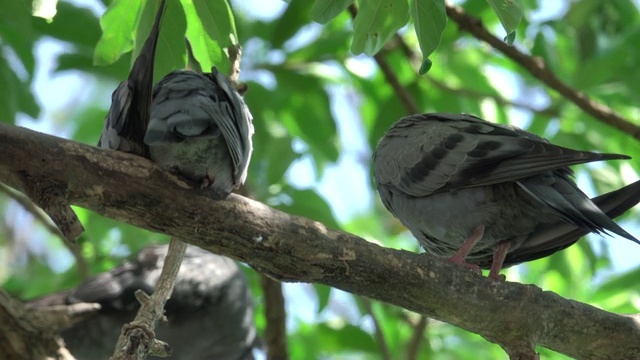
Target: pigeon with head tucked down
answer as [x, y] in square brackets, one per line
[201, 129]
[487, 195]
[193, 124]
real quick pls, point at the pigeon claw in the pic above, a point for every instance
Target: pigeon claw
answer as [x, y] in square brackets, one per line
[498, 259]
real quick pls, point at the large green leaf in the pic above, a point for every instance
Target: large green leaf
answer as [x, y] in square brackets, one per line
[309, 204]
[323, 294]
[217, 20]
[206, 50]
[117, 28]
[9, 100]
[429, 19]
[377, 21]
[509, 12]
[308, 114]
[324, 11]
[17, 32]
[16, 95]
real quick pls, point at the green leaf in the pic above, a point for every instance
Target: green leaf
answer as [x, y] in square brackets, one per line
[425, 66]
[171, 51]
[117, 26]
[510, 38]
[429, 19]
[323, 293]
[309, 204]
[16, 31]
[16, 95]
[76, 25]
[623, 283]
[324, 11]
[9, 101]
[217, 20]
[377, 21]
[330, 45]
[308, 115]
[347, 337]
[206, 50]
[279, 156]
[509, 12]
[26, 100]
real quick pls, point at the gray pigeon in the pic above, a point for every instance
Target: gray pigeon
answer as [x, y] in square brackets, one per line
[128, 118]
[487, 195]
[193, 124]
[210, 312]
[201, 129]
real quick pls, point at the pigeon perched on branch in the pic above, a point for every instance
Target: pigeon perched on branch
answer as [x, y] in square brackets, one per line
[489, 196]
[201, 129]
[193, 124]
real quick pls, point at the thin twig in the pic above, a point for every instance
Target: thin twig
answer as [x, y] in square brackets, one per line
[414, 58]
[536, 67]
[30, 207]
[413, 347]
[276, 316]
[235, 57]
[411, 107]
[137, 339]
[549, 111]
[379, 334]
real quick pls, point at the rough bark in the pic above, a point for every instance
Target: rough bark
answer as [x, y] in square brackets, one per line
[32, 333]
[289, 248]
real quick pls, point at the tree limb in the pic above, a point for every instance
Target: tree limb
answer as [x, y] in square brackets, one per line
[536, 67]
[276, 319]
[419, 328]
[132, 189]
[28, 332]
[378, 330]
[38, 214]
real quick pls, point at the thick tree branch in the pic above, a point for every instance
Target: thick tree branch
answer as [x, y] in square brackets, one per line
[536, 67]
[289, 248]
